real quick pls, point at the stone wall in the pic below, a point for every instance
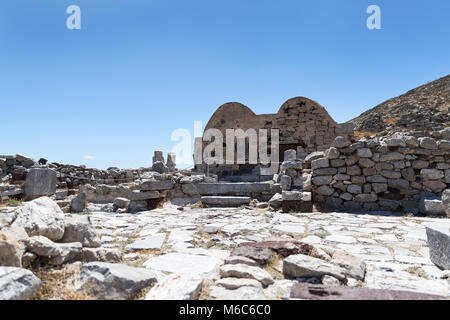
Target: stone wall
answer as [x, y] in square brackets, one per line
[391, 173]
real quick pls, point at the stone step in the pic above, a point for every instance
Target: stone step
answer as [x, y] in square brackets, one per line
[221, 201]
[238, 189]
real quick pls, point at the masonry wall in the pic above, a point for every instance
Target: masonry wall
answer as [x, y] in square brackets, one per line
[391, 173]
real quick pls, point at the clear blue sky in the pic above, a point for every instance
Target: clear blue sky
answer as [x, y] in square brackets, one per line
[139, 69]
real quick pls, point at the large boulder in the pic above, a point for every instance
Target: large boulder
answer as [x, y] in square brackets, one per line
[18, 284]
[41, 217]
[110, 281]
[439, 244]
[79, 229]
[40, 182]
[10, 251]
[54, 253]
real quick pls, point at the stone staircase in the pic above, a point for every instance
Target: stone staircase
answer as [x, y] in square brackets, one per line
[235, 194]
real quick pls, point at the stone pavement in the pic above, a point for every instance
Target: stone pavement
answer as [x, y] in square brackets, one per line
[198, 240]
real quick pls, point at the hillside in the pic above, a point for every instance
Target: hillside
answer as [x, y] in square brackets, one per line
[423, 108]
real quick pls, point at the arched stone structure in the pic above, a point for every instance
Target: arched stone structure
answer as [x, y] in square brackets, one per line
[303, 124]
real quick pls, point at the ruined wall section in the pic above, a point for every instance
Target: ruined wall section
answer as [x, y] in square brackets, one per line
[396, 173]
[303, 124]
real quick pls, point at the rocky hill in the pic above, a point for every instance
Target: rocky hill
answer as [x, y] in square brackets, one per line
[423, 108]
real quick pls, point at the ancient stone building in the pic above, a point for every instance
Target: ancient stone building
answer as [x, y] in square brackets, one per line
[304, 125]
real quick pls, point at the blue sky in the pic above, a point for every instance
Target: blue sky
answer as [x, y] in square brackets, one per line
[139, 69]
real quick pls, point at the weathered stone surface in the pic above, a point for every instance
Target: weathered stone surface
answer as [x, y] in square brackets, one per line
[79, 229]
[325, 190]
[398, 184]
[322, 180]
[240, 260]
[275, 201]
[260, 255]
[176, 287]
[285, 182]
[364, 153]
[439, 244]
[154, 242]
[56, 253]
[354, 266]
[434, 185]
[236, 283]
[320, 163]
[354, 189]
[332, 153]
[121, 203]
[40, 182]
[431, 205]
[184, 263]
[41, 217]
[225, 201]
[102, 254]
[245, 271]
[340, 142]
[234, 189]
[431, 174]
[282, 248]
[242, 293]
[428, 143]
[321, 292]
[78, 203]
[305, 266]
[10, 251]
[366, 197]
[18, 284]
[291, 164]
[393, 156]
[109, 281]
[152, 185]
[446, 202]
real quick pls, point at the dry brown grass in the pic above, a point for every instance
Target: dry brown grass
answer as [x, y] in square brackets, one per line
[391, 121]
[363, 134]
[272, 267]
[204, 293]
[57, 284]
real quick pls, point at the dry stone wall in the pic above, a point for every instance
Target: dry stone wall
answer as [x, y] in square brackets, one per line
[400, 172]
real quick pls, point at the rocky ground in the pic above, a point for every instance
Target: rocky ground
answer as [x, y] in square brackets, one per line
[193, 254]
[423, 108]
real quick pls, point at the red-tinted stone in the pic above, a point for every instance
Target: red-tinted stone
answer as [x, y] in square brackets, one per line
[283, 248]
[321, 292]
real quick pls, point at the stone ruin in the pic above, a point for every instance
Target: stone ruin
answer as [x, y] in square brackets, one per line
[323, 252]
[304, 126]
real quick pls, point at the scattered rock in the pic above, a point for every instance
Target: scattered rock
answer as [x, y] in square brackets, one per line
[18, 284]
[176, 287]
[108, 281]
[305, 266]
[439, 244]
[79, 229]
[41, 217]
[245, 271]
